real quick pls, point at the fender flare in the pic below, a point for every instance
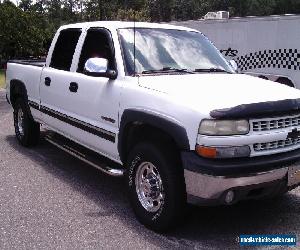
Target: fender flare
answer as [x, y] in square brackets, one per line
[177, 132]
[17, 87]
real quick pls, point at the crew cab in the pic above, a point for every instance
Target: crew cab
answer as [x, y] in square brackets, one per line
[167, 109]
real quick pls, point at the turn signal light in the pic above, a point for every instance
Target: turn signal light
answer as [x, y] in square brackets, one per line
[207, 152]
[223, 152]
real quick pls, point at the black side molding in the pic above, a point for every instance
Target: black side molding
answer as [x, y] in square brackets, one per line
[102, 133]
[107, 135]
[257, 110]
[177, 132]
[34, 105]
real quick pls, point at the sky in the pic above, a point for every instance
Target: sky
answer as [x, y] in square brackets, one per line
[16, 1]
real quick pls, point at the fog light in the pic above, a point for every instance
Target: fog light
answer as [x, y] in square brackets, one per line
[229, 196]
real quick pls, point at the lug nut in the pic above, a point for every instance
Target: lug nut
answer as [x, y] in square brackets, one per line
[229, 197]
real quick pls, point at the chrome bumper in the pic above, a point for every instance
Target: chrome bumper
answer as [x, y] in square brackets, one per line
[202, 187]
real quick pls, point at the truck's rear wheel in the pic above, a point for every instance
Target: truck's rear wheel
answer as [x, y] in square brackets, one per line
[156, 186]
[26, 129]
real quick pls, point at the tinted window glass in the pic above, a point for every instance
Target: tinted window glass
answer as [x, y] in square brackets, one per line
[64, 49]
[96, 44]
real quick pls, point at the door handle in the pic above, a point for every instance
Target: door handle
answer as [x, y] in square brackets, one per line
[73, 87]
[47, 81]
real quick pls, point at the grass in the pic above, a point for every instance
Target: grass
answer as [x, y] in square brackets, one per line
[2, 79]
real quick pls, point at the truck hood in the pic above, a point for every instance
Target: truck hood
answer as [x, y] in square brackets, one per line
[207, 92]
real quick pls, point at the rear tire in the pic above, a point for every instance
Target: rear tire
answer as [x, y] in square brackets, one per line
[156, 186]
[26, 129]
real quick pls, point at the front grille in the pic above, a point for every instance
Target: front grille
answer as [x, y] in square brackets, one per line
[276, 144]
[279, 123]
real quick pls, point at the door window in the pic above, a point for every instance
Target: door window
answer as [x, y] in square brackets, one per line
[64, 49]
[97, 44]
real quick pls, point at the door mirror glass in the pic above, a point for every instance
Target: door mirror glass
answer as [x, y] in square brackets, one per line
[96, 65]
[234, 65]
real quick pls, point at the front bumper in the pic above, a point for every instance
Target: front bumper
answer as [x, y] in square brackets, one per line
[208, 181]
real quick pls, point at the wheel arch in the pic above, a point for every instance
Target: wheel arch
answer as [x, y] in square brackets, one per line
[17, 89]
[134, 123]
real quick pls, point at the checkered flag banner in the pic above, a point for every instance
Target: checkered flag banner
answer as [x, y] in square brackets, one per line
[281, 58]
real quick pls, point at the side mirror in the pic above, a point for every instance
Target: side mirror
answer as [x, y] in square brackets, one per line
[99, 67]
[234, 65]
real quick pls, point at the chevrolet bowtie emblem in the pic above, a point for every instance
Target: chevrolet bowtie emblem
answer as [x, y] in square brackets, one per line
[294, 134]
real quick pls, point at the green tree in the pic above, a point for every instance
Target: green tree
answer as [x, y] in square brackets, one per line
[131, 15]
[20, 36]
[25, 5]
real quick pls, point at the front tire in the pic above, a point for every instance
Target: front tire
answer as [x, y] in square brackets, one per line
[26, 129]
[156, 186]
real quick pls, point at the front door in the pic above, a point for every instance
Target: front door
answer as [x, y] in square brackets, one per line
[90, 104]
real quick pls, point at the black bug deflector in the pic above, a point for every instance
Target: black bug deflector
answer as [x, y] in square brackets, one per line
[256, 110]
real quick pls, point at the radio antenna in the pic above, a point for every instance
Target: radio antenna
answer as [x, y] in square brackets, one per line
[134, 41]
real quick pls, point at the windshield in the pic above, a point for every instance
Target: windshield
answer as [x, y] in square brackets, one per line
[163, 50]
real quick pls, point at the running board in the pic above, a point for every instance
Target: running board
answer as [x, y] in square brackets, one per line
[82, 153]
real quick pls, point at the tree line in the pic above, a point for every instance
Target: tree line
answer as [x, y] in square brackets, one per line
[27, 28]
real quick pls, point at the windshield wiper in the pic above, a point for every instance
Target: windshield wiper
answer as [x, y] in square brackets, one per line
[213, 70]
[167, 70]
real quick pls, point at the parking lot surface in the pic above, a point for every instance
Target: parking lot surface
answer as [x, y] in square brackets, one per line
[50, 200]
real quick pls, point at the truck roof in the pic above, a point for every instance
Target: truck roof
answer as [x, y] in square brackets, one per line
[120, 24]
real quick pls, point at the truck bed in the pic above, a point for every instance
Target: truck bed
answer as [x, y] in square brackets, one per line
[32, 62]
[28, 72]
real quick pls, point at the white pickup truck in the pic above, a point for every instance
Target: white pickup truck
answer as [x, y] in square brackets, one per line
[164, 105]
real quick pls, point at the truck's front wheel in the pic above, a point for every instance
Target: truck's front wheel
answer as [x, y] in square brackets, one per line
[26, 129]
[156, 186]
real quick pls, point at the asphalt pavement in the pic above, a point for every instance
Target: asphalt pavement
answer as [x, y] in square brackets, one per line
[50, 200]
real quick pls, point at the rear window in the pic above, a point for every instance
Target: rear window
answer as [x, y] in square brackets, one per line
[64, 49]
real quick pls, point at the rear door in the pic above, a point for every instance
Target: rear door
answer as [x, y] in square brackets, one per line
[54, 85]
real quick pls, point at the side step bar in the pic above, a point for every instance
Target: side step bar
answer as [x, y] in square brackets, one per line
[88, 156]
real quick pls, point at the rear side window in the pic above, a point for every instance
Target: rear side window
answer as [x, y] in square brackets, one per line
[64, 49]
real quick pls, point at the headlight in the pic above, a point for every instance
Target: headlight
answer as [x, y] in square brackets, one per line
[224, 127]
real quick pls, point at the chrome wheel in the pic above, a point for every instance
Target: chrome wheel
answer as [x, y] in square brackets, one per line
[149, 187]
[20, 121]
